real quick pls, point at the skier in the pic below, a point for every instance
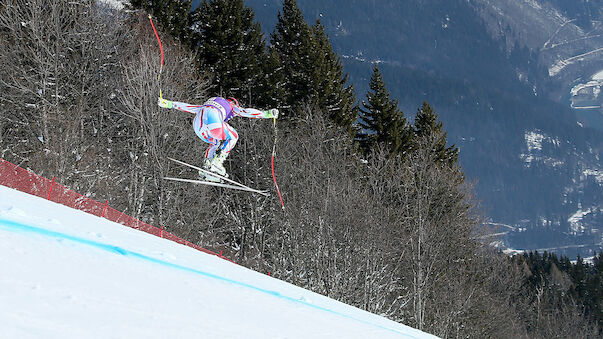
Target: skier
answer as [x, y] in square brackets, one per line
[210, 124]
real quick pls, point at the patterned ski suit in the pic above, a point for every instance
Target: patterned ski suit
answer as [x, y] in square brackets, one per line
[210, 122]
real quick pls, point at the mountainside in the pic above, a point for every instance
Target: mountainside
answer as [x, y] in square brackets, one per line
[500, 74]
[568, 37]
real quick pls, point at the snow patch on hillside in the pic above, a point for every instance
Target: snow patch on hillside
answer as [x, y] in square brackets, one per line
[576, 220]
[511, 251]
[534, 4]
[596, 173]
[561, 64]
[534, 144]
[558, 67]
[115, 4]
[534, 140]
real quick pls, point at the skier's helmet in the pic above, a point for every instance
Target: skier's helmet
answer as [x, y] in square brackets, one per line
[233, 101]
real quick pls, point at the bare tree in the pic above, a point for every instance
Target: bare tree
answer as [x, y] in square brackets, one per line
[79, 102]
[156, 133]
[60, 63]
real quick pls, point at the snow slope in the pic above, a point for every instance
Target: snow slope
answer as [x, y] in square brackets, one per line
[69, 274]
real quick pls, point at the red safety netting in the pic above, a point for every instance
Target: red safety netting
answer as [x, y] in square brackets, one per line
[23, 180]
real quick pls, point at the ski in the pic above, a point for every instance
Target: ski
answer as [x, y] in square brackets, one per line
[234, 183]
[210, 173]
[219, 184]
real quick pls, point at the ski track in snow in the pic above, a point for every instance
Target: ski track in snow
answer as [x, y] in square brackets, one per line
[13, 226]
[68, 274]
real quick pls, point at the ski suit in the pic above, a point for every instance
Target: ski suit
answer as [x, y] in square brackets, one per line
[210, 122]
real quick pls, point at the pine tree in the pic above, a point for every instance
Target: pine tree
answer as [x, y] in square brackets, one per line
[596, 289]
[230, 46]
[579, 274]
[330, 83]
[292, 42]
[311, 71]
[271, 91]
[381, 121]
[172, 15]
[428, 126]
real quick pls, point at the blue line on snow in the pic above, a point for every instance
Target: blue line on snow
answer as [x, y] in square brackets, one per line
[15, 227]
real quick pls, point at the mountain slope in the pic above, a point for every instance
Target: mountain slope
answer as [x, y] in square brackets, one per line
[68, 274]
[567, 37]
[485, 67]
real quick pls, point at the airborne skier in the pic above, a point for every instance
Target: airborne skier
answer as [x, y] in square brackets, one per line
[210, 124]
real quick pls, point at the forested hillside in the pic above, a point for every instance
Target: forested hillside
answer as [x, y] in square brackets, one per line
[485, 67]
[378, 215]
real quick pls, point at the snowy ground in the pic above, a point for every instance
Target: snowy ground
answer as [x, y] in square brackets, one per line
[68, 274]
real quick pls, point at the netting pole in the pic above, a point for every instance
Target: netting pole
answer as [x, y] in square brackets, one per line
[161, 48]
[105, 208]
[272, 163]
[51, 186]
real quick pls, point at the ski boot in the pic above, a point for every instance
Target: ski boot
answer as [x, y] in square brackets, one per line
[216, 165]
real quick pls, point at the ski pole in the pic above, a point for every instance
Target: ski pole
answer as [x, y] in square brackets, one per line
[161, 48]
[272, 163]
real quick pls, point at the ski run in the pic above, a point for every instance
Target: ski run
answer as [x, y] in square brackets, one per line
[69, 274]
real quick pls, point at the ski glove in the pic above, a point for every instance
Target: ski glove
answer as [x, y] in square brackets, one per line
[164, 103]
[272, 113]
